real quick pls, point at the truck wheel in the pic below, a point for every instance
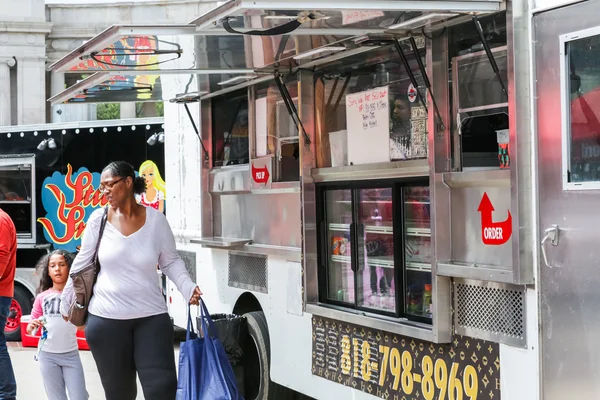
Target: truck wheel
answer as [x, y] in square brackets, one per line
[20, 305]
[257, 360]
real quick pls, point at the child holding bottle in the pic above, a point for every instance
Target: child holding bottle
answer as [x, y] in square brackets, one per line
[60, 364]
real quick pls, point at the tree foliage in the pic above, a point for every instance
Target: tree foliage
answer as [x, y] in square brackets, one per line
[106, 111]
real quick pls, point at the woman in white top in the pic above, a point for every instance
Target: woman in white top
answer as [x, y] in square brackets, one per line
[128, 328]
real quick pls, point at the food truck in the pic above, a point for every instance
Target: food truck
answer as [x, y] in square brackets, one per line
[397, 195]
[49, 179]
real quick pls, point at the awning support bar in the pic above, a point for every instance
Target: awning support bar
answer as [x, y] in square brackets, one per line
[187, 109]
[339, 98]
[289, 103]
[415, 50]
[335, 83]
[489, 54]
[411, 76]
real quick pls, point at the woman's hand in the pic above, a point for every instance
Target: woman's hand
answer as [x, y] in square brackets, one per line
[195, 300]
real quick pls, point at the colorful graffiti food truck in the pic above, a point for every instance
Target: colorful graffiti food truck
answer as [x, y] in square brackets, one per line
[49, 179]
[397, 195]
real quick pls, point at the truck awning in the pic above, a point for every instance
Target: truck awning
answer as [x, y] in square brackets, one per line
[332, 14]
[243, 40]
[133, 86]
[102, 87]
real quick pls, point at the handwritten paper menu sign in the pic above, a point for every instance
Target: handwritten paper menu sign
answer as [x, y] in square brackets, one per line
[368, 125]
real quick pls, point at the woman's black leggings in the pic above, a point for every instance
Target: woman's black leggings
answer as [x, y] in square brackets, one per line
[123, 347]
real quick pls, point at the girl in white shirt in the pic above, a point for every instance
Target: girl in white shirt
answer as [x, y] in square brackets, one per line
[128, 329]
[59, 357]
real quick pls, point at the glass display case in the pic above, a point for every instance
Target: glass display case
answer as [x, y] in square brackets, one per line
[375, 248]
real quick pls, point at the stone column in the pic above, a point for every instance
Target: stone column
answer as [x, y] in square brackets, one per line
[57, 85]
[128, 110]
[31, 84]
[5, 94]
[149, 109]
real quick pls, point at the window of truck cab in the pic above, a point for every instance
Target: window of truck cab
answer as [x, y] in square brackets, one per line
[17, 194]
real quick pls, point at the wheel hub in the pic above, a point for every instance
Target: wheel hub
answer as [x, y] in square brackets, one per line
[14, 317]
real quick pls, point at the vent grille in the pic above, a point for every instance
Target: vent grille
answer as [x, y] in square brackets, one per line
[248, 272]
[490, 311]
[189, 259]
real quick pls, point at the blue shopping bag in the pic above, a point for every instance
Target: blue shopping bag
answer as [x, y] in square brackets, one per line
[204, 370]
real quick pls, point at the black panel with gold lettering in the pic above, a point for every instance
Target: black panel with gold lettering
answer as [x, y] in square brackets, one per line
[396, 367]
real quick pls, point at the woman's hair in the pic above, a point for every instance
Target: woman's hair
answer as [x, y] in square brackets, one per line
[41, 268]
[158, 182]
[123, 169]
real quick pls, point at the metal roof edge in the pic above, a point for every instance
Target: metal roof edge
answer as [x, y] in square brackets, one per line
[57, 126]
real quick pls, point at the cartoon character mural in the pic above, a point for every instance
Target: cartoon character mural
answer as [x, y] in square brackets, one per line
[69, 200]
[155, 186]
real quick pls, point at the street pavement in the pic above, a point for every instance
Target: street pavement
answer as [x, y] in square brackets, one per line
[29, 379]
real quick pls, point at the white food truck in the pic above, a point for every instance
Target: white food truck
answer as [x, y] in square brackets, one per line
[398, 195]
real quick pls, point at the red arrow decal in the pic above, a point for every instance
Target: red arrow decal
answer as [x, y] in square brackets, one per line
[493, 233]
[260, 175]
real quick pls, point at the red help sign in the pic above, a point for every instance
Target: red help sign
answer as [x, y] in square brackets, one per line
[260, 175]
[493, 233]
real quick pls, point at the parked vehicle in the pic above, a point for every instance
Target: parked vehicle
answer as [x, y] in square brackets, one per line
[49, 178]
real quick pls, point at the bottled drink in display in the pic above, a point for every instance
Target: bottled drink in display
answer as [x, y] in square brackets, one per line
[427, 300]
[341, 294]
[376, 218]
[413, 303]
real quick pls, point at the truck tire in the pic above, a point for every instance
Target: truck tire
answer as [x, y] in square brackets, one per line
[256, 382]
[21, 305]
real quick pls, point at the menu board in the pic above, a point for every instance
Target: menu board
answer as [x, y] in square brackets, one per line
[368, 126]
[392, 366]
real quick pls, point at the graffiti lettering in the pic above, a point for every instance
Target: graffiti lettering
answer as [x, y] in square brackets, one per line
[69, 200]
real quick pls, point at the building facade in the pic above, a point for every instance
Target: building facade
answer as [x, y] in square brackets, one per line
[37, 33]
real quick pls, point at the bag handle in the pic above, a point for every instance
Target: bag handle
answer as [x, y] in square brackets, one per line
[283, 29]
[102, 226]
[205, 319]
[189, 333]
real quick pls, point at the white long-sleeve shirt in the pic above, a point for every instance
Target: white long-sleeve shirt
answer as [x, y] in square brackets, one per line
[127, 285]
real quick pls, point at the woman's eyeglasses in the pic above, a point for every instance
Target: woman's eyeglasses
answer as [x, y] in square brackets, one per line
[109, 185]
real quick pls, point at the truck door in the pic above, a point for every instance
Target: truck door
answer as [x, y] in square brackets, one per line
[17, 194]
[567, 57]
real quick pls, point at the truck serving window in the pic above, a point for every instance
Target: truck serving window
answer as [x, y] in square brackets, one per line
[408, 114]
[16, 194]
[230, 129]
[276, 131]
[479, 63]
